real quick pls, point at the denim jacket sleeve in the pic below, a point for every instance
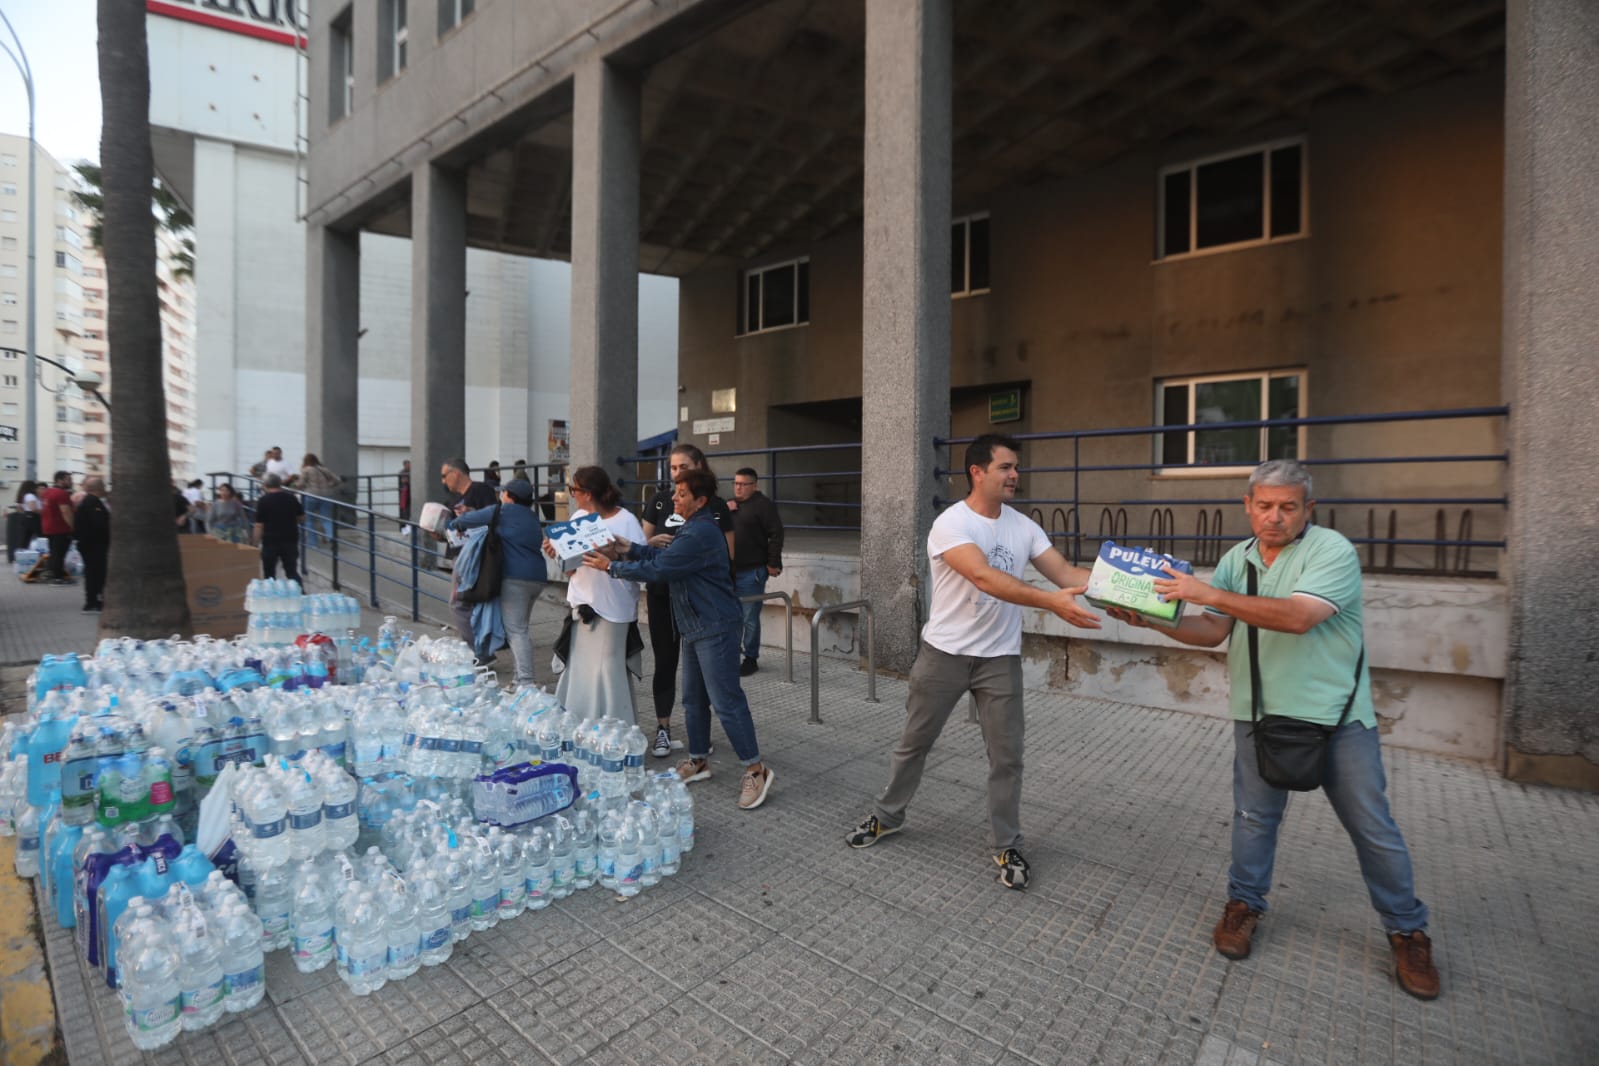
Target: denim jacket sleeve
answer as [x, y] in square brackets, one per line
[472, 519]
[685, 555]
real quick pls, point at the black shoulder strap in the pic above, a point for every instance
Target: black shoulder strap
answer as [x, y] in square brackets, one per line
[1257, 697]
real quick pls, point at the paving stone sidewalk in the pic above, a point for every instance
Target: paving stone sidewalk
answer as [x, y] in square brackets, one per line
[777, 943]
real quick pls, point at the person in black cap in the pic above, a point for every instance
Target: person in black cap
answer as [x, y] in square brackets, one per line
[523, 575]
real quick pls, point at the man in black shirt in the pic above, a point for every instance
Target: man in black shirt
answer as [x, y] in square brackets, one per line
[92, 526]
[467, 495]
[278, 515]
[660, 521]
[757, 555]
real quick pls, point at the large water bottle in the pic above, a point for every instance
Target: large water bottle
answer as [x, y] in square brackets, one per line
[547, 735]
[538, 855]
[403, 932]
[151, 996]
[364, 945]
[563, 865]
[305, 816]
[340, 825]
[683, 807]
[649, 843]
[119, 888]
[313, 921]
[200, 965]
[513, 876]
[267, 813]
[159, 794]
[366, 737]
[613, 765]
[274, 905]
[456, 873]
[485, 884]
[671, 842]
[389, 639]
[243, 964]
[333, 733]
[47, 742]
[80, 774]
[433, 916]
[629, 858]
[62, 874]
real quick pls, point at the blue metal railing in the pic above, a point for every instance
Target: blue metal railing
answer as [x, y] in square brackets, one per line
[1065, 521]
[848, 507]
[381, 492]
[391, 565]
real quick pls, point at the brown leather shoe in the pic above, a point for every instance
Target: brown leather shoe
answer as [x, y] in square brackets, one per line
[1232, 933]
[1413, 967]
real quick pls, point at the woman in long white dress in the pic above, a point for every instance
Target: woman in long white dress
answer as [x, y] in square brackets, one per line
[604, 646]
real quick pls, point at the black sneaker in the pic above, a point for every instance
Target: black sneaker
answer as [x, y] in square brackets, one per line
[663, 743]
[869, 832]
[748, 667]
[1012, 868]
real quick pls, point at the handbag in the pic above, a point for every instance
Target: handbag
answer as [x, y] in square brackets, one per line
[1290, 753]
[490, 565]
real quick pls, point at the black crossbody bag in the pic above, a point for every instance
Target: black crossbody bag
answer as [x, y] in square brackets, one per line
[1290, 753]
[490, 565]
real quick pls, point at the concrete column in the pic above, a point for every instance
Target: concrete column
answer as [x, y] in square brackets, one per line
[332, 370]
[1551, 320]
[438, 328]
[905, 307]
[216, 400]
[605, 263]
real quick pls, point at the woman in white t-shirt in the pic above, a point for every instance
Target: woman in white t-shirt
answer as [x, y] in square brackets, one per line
[604, 644]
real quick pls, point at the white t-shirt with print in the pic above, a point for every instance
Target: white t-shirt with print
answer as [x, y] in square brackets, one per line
[612, 599]
[964, 620]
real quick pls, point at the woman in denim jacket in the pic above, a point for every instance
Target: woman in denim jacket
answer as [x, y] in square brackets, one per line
[708, 617]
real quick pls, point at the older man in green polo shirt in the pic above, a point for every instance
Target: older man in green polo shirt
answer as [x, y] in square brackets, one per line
[1304, 600]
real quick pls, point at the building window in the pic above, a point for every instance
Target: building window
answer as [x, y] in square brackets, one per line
[452, 13]
[8, 160]
[8, 215]
[968, 259]
[9, 188]
[10, 269]
[392, 52]
[775, 296]
[9, 244]
[9, 299]
[1235, 200]
[8, 408]
[12, 464]
[8, 326]
[1266, 394]
[9, 381]
[341, 93]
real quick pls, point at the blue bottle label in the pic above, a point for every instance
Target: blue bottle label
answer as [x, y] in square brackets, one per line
[461, 914]
[150, 1019]
[334, 752]
[369, 964]
[310, 945]
[485, 906]
[402, 954]
[268, 830]
[450, 745]
[472, 747]
[335, 811]
[203, 998]
[236, 983]
[308, 820]
[438, 938]
[611, 766]
[633, 762]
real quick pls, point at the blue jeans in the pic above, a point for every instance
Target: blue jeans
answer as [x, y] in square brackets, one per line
[318, 517]
[710, 679]
[1356, 788]
[751, 582]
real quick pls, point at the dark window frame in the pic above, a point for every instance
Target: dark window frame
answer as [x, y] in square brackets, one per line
[964, 244]
[1183, 177]
[752, 296]
[1187, 439]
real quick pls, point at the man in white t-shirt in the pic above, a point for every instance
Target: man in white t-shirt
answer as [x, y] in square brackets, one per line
[276, 465]
[973, 643]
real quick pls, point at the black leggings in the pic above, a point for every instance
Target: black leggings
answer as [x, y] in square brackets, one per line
[664, 643]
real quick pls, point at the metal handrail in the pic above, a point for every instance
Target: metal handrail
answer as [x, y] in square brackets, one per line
[864, 606]
[772, 474]
[788, 626]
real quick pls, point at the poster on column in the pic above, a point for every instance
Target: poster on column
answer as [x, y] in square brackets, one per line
[560, 442]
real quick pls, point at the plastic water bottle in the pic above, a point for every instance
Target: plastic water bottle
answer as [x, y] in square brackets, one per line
[513, 877]
[613, 765]
[268, 815]
[563, 866]
[364, 966]
[629, 858]
[313, 922]
[485, 885]
[538, 854]
[79, 774]
[341, 828]
[671, 842]
[243, 964]
[683, 807]
[156, 782]
[457, 876]
[585, 850]
[117, 892]
[274, 906]
[200, 965]
[433, 917]
[27, 859]
[151, 996]
[607, 835]
[637, 748]
[403, 934]
[649, 843]
[305, 816]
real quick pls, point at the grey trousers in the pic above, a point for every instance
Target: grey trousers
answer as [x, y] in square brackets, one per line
[938, 681]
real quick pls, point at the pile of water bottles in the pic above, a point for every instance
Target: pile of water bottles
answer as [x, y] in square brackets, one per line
[280, 611]
[371, 824]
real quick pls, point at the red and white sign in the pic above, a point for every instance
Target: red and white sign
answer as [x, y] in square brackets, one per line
[265, 20]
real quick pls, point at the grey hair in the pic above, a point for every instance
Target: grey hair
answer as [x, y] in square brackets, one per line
[272, 481]
[1288, 473]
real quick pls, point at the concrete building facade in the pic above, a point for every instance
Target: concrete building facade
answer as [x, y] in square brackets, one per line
[908, 220]
[225, 79]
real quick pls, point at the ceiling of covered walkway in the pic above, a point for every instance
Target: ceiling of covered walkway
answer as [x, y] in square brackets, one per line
[753, 134]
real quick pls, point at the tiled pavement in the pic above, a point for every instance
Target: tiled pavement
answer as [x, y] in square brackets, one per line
[777, 943]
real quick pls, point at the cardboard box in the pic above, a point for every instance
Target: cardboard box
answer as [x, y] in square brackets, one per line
[1125, 578]
[216, 575]
[576, 536]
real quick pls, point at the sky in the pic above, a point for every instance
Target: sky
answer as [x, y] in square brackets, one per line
[59, 39]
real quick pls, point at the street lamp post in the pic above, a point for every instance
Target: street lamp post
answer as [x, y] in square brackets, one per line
[30, 401]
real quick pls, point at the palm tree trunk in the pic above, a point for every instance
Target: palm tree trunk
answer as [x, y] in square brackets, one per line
[145, 594]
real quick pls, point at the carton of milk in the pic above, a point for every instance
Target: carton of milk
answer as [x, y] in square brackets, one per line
[572, 538]
[1125, 578]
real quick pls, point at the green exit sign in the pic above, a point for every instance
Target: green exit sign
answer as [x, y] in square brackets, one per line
[1005, 406]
